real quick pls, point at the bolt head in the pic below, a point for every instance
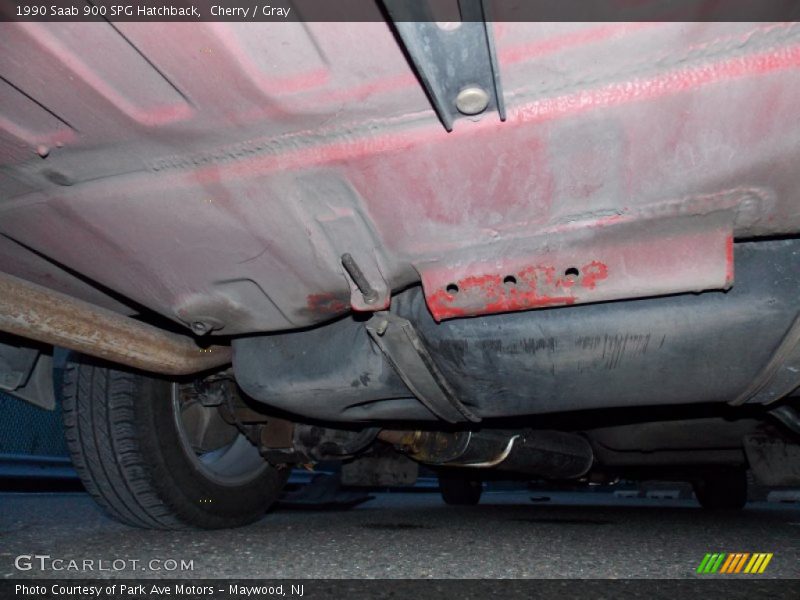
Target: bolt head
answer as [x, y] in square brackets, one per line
[200, 328]
[472, 100]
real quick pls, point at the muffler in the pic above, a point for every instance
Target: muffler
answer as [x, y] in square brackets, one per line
[545, 454]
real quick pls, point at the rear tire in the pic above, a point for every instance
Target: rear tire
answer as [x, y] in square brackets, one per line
[725, 489]
[460, 491]
[124, 439]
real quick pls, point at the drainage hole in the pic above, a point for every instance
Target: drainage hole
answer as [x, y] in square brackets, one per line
[452, 288]
[572, 272]
[510, 280]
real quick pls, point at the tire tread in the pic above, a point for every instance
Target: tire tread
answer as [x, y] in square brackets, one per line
[101, 435]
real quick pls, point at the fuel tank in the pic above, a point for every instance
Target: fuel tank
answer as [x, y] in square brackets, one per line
[689, 348]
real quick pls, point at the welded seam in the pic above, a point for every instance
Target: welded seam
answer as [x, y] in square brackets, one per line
[759, 41]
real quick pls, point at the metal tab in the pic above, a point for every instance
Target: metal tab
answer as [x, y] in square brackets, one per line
[405, 350]
[455, 60]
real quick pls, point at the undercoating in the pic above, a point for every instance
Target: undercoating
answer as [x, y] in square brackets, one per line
[689, 348]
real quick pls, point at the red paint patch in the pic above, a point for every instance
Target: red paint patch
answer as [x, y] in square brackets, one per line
[592, 273]
[440, 305]
[487, 294]
[729, 261]
[532, 287]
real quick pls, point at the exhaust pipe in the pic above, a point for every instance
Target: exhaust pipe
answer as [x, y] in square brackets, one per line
[35, 312]
[546, 454]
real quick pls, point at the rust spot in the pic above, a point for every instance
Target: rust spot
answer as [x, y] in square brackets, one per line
[327, 303]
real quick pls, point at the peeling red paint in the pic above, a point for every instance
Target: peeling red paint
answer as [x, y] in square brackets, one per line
[535, 286]
[592, 273]
[441, 308]
[531, 287]
[516, 300]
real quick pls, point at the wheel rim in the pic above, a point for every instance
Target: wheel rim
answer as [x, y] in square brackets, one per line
[234, 463]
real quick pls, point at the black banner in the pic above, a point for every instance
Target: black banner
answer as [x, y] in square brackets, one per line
[347, 589]
[373, 10]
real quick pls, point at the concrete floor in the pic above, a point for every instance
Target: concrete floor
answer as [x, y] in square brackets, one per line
[412, 535]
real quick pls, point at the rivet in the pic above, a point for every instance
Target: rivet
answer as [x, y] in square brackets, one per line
[472, 100]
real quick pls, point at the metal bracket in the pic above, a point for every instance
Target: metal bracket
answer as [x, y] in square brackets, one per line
[405, 350]
[455, 60]
[16, 365]
[27, 374]
[780, 376]
[38, 389]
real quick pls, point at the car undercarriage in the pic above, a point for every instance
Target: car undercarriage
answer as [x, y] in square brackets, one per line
[567, 251]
